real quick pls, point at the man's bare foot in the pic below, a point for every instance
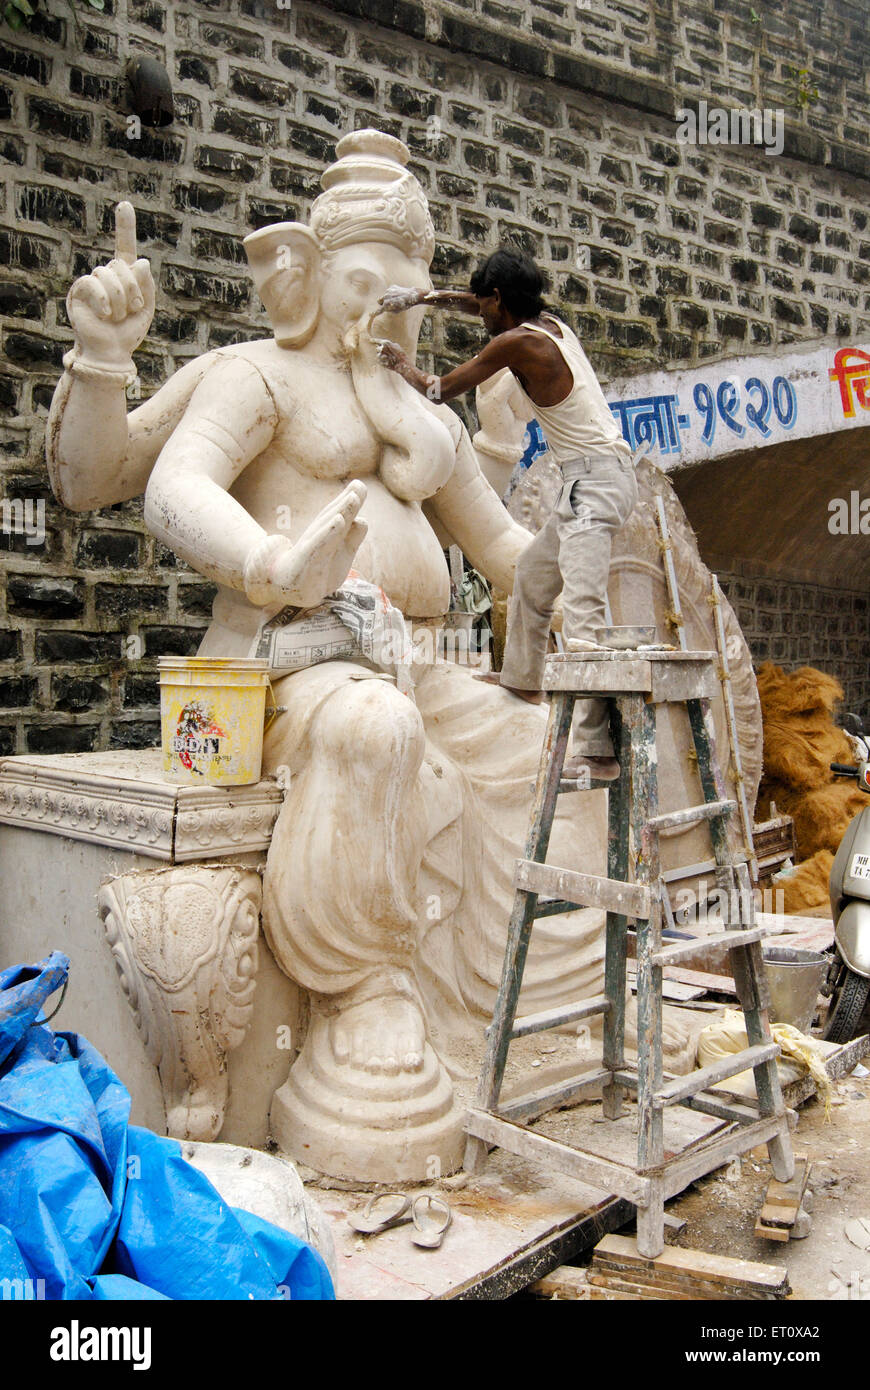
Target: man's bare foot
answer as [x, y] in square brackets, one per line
[600, 769]
[531, 697]
[380, 1035]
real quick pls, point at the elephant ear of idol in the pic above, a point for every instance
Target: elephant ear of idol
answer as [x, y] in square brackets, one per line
[285, 261]
[638, 594]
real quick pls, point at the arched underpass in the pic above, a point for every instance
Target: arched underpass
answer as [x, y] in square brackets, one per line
[770, 456]
[764, 522]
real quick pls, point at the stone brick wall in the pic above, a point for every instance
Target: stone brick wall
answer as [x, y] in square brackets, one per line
[798, 624]
[544, 121]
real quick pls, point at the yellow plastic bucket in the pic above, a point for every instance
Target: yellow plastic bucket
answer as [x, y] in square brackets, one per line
[212, 715]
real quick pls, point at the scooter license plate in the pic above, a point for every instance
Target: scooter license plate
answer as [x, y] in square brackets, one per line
[860, 866]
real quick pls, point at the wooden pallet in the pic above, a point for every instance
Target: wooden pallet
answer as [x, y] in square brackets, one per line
[619, 1271]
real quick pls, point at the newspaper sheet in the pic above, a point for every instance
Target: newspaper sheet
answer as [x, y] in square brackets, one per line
[357, 620]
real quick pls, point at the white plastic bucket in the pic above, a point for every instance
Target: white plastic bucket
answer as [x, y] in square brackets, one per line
[212, 715]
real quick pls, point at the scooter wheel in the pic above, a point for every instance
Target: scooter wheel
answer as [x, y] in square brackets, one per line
[851, 998]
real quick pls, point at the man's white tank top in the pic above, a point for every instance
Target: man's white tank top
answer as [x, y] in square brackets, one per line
[582, 425]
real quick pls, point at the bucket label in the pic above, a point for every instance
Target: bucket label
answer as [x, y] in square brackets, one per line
[197, 737]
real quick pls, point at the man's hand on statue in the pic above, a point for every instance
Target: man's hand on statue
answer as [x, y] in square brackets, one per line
[318, 562]
[396, 299]
[111, 309]
[392, 356]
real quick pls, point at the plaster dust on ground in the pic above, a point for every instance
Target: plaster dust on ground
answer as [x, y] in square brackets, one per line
[720, 1210]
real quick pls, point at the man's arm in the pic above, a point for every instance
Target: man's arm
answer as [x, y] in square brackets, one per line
[506, 350]
[396, 299]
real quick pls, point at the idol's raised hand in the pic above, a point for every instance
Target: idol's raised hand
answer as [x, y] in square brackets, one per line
[111, 309]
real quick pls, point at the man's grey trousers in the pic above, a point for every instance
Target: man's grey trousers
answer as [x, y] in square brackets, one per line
[571, 554]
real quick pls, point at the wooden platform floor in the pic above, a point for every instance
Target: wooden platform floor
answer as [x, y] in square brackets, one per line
[512, 1223]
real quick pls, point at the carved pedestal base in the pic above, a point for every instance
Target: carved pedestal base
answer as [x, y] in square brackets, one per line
[185, 944]
[350, 1123]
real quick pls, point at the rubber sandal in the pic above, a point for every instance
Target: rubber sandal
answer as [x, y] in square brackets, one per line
[429, 1227]
[395, 1210]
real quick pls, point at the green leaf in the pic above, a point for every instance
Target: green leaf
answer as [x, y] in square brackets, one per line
[12, 17]
[97, 4]
[24, 7]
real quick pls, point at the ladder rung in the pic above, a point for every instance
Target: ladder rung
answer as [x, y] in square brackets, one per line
[524, 1109]
[708, 811]
[551, 907]
[553, 1018]
[586, 890]
[717, 1071]
[700, 945]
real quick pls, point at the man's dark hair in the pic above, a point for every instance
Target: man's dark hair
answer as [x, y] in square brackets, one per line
[516, 277]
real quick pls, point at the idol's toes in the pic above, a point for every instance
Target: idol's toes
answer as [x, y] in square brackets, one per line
[380, 1035]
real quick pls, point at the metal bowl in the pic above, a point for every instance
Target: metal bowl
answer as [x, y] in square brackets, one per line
[625, 638]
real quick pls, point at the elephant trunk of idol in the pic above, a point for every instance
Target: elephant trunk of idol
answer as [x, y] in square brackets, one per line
[419, 453]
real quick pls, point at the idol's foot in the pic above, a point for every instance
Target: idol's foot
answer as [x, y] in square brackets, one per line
[384, 1035]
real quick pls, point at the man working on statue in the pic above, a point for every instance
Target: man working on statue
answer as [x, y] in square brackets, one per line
[571, 552]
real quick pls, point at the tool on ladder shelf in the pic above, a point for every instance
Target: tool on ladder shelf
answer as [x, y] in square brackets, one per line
[635, 682]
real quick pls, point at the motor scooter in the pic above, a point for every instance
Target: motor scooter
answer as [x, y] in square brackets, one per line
[848, 979]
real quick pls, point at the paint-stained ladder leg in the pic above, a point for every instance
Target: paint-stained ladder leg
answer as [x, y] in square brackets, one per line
[522, 916]
[618, 810]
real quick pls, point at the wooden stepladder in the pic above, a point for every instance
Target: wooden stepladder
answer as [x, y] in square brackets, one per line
[634, 893]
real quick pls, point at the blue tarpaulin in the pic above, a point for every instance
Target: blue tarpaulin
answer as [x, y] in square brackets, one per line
[97, 1208]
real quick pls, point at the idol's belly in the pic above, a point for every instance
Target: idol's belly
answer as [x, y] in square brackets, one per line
[400, 551]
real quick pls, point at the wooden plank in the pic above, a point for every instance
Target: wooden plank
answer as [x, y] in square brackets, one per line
[704, 1077]
[789, 1194]
[692, 815]
[712, 781]
[554, 1018]
[647, 867]
[765, 1232]
[603, 676]
[616, 925]
[522, 1109]
[522, 916]
[705, 948]
[533, 1261]
[661, 1285]
[585, 1167]
[715, 984]
[682, 681]
[682, 1171]
[572, 1284]
[694, 1264]
[565, 1282]
[587, 890]
[709, 1103]
[780, 1217]
[839, 1064]
[673, 990]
